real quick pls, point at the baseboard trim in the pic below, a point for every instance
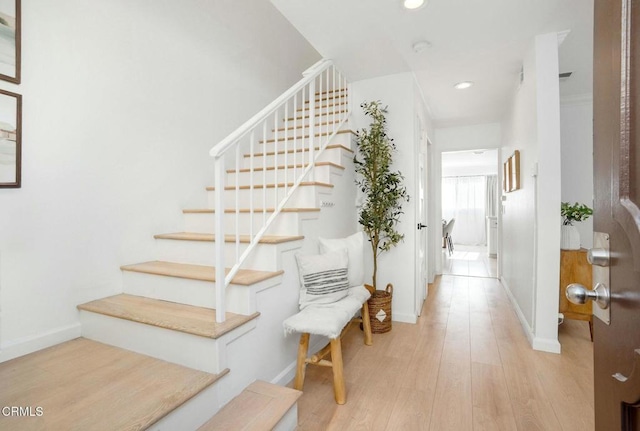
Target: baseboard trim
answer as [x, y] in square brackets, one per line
[404, 318]
[24, 346]
[286, 376]
[548, 345]
[523, 321]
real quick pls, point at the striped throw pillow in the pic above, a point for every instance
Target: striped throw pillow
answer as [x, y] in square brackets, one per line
[324, 277]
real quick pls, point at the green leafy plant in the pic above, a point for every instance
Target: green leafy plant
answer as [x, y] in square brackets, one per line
[575, 212]
[383, 190]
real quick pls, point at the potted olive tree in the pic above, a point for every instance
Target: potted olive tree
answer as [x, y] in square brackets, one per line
[570, 239]
[384, 195]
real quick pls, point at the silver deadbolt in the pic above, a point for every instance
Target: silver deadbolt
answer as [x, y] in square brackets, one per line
[598, 256]
[578, 294]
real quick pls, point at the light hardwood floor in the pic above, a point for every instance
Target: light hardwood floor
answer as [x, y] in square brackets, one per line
[469, 260]
[466, 365]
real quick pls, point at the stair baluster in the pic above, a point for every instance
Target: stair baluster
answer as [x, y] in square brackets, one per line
[315, 78]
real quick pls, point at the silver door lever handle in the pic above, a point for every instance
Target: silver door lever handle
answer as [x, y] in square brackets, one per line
[578, 294]
[598, 256]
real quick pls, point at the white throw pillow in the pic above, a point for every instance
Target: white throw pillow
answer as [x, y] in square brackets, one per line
[324, 277]
[354, 245]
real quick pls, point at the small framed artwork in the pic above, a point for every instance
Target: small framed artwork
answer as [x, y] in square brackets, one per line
[506, 176]
[10, 139]
[10, 40]
[511, 173]
[515, 170]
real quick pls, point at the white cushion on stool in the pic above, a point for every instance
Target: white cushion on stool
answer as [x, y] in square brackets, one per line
[328, 319]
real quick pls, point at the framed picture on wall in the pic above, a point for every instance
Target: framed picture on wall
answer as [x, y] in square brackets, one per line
[10, 139]
[515, 170]
[511, 173]
[10, 40]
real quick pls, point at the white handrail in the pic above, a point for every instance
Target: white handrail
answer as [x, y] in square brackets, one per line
[245, 136]
[308, 76]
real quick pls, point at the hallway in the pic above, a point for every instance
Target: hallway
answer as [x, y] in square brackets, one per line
[466, 365]
[469, 260]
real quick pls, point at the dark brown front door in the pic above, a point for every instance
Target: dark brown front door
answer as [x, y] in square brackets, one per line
[617, 200]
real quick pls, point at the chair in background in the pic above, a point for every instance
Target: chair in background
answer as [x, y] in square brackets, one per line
[446, 233]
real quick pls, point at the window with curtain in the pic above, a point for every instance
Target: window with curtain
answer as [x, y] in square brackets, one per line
[469, 200]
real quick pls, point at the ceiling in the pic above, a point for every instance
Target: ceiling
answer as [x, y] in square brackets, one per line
[476, 162]
[471, 40]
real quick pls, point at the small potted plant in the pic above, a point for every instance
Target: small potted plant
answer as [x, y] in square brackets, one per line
[384, 194]
[570, 239]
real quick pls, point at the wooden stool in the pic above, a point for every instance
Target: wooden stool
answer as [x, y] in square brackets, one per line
[334, 346]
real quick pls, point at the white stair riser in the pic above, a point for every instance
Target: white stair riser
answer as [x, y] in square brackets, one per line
[322, 98]
[173, 289]
[303, 120]
[289, 421]
[303, 197]
[196, 412]
[189, 350]
[264, 257]
[292, 129]
[239, 299]
[329, 155]
[324, 109]
[298, 157]
[344, 139]
[271, 176]
[287, 223]
[320, 116]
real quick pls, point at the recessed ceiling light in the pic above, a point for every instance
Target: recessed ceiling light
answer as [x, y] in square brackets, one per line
[413, 4]
[421, 45]
[462, 85]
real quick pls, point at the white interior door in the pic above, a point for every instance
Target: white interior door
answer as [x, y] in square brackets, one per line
[421, 217]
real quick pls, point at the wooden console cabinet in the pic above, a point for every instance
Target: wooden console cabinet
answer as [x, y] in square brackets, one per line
[574, 268]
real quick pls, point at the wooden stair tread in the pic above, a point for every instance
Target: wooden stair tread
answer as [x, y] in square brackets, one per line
[209, 237]
[282, 167]
[339, 96]
[299, 138]
[324, 106]
[273, 185]
[243, 277]
[337, 90]
[246, 210]
[86, 385]
[300, 150]
[169, 315]
[260, 406]
[318, 114]
[305, 126]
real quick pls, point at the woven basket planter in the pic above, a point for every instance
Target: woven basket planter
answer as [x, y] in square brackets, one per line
[380, 310]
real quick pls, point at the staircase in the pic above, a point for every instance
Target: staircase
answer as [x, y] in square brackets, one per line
[213, 303]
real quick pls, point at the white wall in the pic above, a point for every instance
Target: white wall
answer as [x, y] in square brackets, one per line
[122, 101]
[471, 170]
[477, 136]
[576, 127]
[531, 217]
[396, 266]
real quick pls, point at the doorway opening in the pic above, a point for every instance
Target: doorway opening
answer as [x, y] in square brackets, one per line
[470, 202]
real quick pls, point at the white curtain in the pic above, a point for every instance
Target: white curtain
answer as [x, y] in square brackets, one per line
[491, 204]
[464, 199]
